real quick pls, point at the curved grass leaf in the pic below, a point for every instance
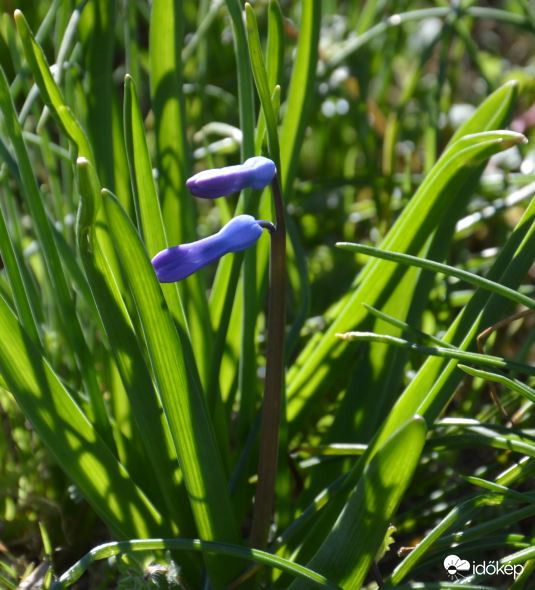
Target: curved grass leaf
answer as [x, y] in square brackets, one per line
[109, 549]
[183, 404]
[49, 90]
[65, 305]
[409, 234]
[521, 388]
[298, 103]
[172, 158]
[144, 402]
[445, 352]
[67, 433]
[261, 80]
[349, 550]
[473, 279]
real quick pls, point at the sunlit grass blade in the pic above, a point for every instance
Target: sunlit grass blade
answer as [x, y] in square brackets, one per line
[43, 229]
[521, 388]
[48, 88]
[166, 30]
[183, 404]
[312, 578]
[18, 281]
[301, 87]
[406, 327]
[97, 32]
[144, 402]
[172, 159]
[70, 437]
[275, 43]
[378, 277]
[348, 552]
[477, 358]
[262, 86]
[473, 279]
[499, 489]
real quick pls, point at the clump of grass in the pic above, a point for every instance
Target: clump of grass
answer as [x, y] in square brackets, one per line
[131, 410]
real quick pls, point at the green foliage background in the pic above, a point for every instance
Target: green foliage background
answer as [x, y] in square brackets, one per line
[130, 409]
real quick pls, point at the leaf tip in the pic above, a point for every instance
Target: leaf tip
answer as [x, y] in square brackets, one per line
[20, 21]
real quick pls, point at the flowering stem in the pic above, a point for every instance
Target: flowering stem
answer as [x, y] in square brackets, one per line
[269, 433]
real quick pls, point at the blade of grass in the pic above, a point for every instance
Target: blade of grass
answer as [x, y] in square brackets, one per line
[298, 103]
[184, 406]
[70, 437]
[97, 33]
[172, 157]
[521, 388]
[65, 305]
[109, 549]
[144, 401]
[446, 269]
[349, 550]
[18, 283]
[452, 353]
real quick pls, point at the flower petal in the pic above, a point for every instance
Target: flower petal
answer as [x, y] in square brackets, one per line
[255, 173]
[177, 263]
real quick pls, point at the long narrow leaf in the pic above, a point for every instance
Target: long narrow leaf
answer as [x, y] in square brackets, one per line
[184, 406]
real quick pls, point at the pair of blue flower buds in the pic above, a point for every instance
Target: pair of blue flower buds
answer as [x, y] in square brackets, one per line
[241, 232]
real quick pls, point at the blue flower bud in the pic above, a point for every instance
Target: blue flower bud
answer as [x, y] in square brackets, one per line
[255, 172]
[178, 262]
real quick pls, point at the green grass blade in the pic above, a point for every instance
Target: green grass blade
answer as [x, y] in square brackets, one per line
[349, 550]
[298, 103]
[521, 388]
[48, 88]
[97, 33]
[245, 86]
[499, 489]
[172, 157]
[65, 305]
[166, 30]
[452, 353]
[378, 277]
[275, 43]
[144, 402]
[184, 406]
[71, 438]
[149, 218]
[18, 281]
[262, 85]
[110, 549]
[438, 267]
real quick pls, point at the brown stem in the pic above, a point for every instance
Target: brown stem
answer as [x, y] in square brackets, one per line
[269, 433]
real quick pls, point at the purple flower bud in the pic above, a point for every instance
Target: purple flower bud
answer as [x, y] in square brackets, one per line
[178, 262]
[255, 173]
